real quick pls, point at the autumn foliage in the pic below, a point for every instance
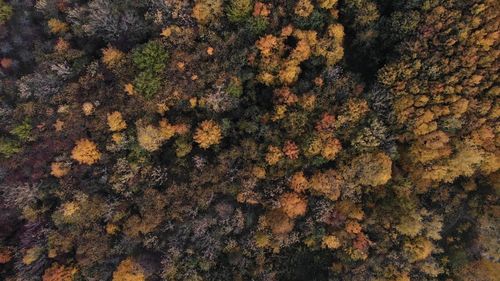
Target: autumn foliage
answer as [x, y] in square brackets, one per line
[249, 140]
[85, 152]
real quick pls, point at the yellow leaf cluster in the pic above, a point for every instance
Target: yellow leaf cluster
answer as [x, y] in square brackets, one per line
[418, 249]
[32, 255]
[149, 137]
[303, 8]
[57, 26]
[112, 56]
[85, 152]
[330, 242]
[372, 168]
[68, 209]
[331, 147]
[88, 108]
[327, 4]
[273, 155]
[259, 172]
[299, 182]
[207, 134]
[59, 169]
[116, 122]
[324, 144]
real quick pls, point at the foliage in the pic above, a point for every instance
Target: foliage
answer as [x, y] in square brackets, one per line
[9, 147]
[207, 134]
[59, 273]
[150, 59]
[205, 11]
[128, 270]
[116, 122]
[5, 12]
[249, 140]
[238, 11]
[85, 152]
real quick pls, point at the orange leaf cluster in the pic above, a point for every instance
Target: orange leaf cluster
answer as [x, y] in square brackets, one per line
[207, 134]
[85, 152]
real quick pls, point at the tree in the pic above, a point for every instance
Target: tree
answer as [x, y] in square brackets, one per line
[85, 152]
[207, 134]
[129, 270]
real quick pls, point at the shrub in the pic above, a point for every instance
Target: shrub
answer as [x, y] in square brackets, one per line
[111, 57]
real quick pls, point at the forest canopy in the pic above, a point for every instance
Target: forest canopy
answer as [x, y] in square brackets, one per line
[272, 140]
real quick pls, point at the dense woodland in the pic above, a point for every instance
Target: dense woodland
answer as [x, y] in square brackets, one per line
[271, 140]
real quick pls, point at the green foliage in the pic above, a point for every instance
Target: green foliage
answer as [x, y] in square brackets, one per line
[151, 60]
[9, 147]
[5, 12]
[317, 20]
[257, 25]
[182, 147]
[151, 57]
[22, 131]
[235, 88]
[147, 83]
[238, 11]
[138, 155]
